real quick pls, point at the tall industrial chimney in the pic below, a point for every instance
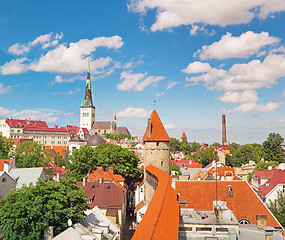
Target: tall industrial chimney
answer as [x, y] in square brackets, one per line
[224, 137]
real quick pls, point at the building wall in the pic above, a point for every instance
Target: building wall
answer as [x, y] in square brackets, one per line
[156, 154]
[6, 185]
[4, 128]
[274, 194]
[87, 117]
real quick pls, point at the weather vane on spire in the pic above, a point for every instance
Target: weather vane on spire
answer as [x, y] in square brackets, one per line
[154, 101]
[89, 64]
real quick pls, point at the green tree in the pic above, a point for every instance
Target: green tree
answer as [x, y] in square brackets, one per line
[184, 146]
[118, 137]
[175, 167]
[195, 146]
[123, 161]
[244, 154]
[31, 154]
[277, 207]
[206, 156]
[261, 165]
[174, 145]
[5, 147]
[61, 161]
[82, 160]
[233, 148]
[272, 148]
[27, 211]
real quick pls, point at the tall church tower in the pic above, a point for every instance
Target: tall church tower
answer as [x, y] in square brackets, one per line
[156, 150]
[87, 109]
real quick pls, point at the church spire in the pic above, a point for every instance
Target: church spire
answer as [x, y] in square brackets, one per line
[88, 96]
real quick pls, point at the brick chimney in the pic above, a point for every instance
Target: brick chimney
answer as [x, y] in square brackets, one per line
[224, 137]
[260, 221]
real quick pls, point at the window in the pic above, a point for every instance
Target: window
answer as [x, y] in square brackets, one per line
[59, 137]
[65, 137]
[283, 188]
[58, 142]
[18, 130]
[53, 137]
[65, 142]
[4, 180]
[161, 163]
[45, 142]
[12, 130]
[52, 142]
[244, 222]
[141, 189]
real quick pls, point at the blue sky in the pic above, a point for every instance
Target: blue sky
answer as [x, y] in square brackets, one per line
[196, 59]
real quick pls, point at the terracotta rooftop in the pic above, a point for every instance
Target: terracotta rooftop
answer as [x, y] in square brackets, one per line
[278, 178]
[244, 202]
[161, 220]
[267, 174]
[158, 132]
[24, 123]
[2, 163]
[184, 136]
[103, 195]
[58, 149]
[99, 173]
[54, 169]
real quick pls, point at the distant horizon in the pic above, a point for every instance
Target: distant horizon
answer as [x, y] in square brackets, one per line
[196, 59]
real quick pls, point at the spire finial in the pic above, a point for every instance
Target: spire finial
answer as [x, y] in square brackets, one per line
[154, 101]
[89, 65]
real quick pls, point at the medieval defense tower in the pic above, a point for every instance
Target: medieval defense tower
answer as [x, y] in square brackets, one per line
[156, 151]
[87, 109]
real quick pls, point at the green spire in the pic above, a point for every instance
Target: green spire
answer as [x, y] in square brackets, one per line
[88, 96]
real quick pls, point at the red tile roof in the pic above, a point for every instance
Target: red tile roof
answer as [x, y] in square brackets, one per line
[26, 123]
[184, 135]
[103, 195]
[158, 132]
[58, 149]
[2, 163]
[15, 141]
[278, 178]
[244, 203]
[223, 171]
[99, 173]
[161, 220]
[265, 174]
[54, 169]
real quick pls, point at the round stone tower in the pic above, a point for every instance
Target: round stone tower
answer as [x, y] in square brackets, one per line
[156, 151]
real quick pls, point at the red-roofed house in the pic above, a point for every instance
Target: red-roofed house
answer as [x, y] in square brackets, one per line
[269, 190]
[34, 129]
[55, 170]
[99, 175]
[10, 164]
[238, 195]
[224, 173]
[261, 177]
[106, 196]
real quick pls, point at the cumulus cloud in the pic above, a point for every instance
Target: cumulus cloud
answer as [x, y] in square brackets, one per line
[136, 81]
[174, 13]
[197, 67]
[240, 97]
[245, 45]
[241, 81]
[63, 58]
[15, 66]
[41, 114]
[131, 112]
[46, 40]
[3, 89]
[248, 107]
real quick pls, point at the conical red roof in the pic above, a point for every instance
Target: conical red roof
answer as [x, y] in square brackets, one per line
[158, 132]
[184, 135]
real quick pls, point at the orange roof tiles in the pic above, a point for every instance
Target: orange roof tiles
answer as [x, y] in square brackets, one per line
[158, 132]
[244, 203]
[161, 220]
[2, 163]
[184, 135]
[58, 149]
[278, 178]
[99, 173]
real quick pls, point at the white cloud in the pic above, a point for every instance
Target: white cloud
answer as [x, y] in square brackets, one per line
[197, 67]
[136, 81]
[72, 59]
[239, 97]
[159, 94]
[60, 79]
[63, 58]
[174, 13]
[46, 40]
[15, 66]
[131, 112]
[241, 81]
[248, 107]
[3, 89]
[245, 45]
[170, 126]
[171, 84]
[42, 114]
[73, 92]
